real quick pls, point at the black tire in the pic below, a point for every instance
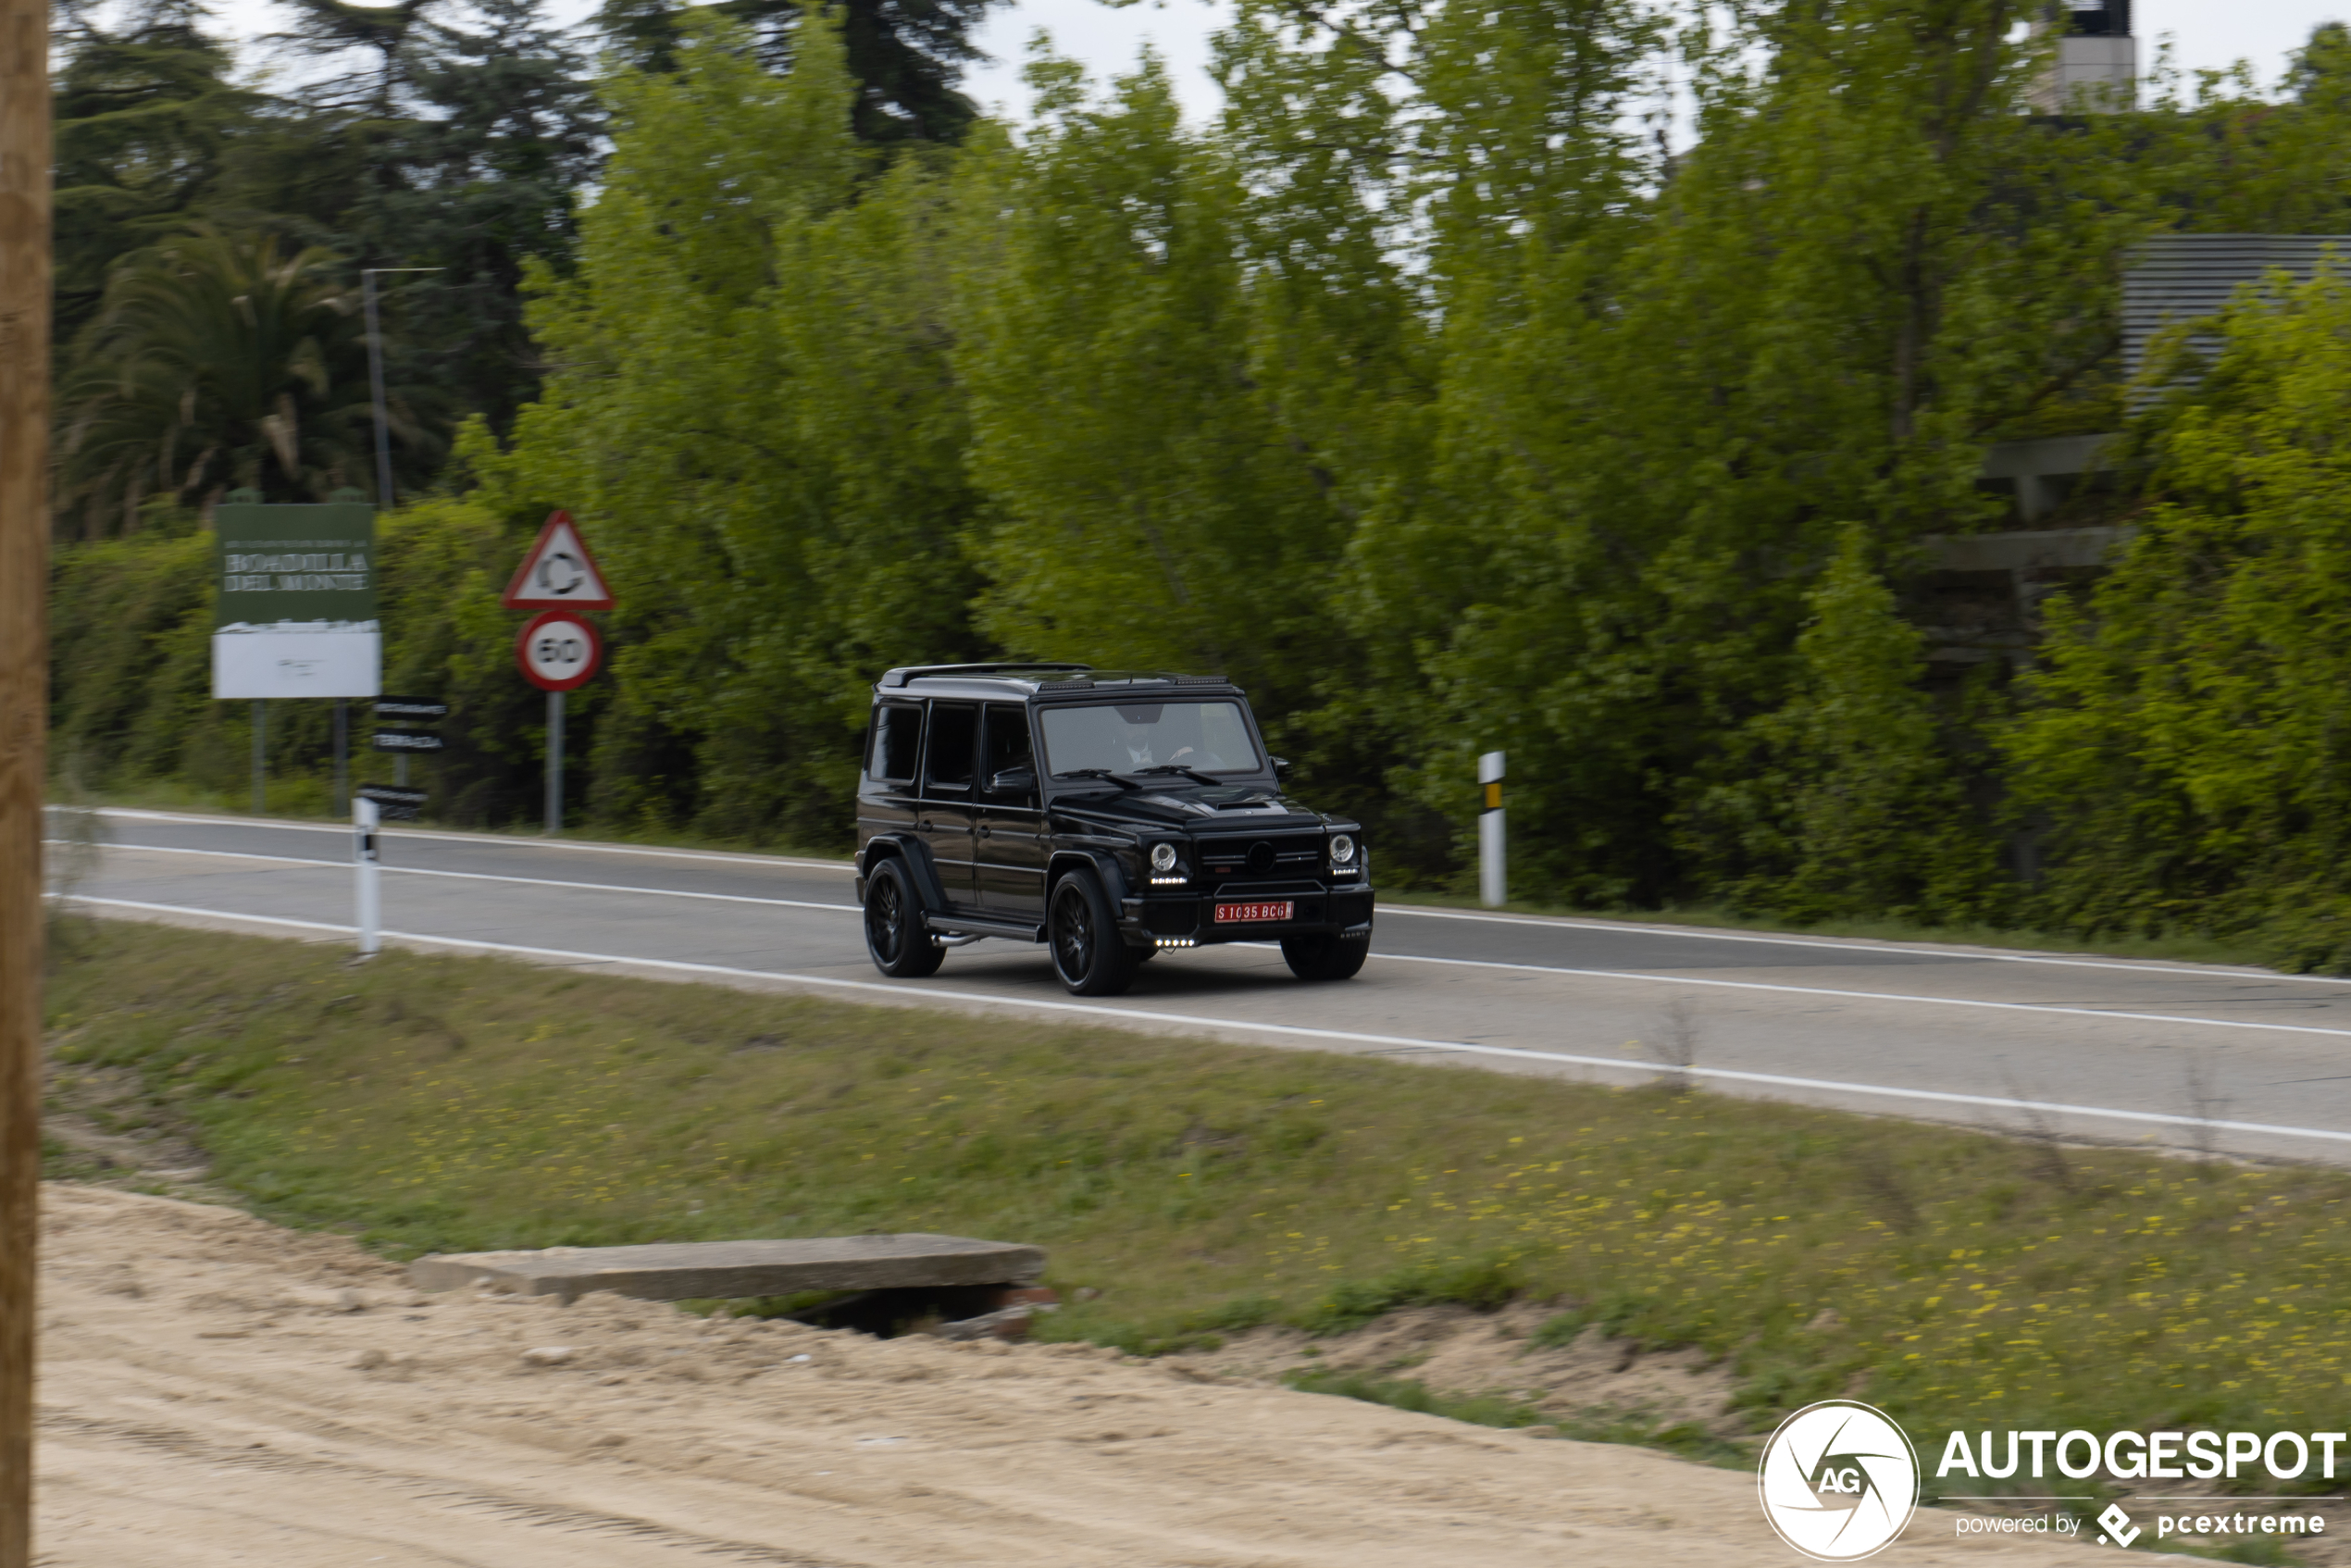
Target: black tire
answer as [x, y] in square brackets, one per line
[1326, 957]
[894, 936]
[1088, 954]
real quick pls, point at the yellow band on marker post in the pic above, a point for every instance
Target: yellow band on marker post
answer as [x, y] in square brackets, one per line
[1494, 796]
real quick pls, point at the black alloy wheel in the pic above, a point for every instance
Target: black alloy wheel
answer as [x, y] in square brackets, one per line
[895, 938]
[1088, 954]
[1326, 957]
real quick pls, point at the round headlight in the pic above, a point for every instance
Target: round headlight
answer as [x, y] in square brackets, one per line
[1162, 857]
[1342, 849]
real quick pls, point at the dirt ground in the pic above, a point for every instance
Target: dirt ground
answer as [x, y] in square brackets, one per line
[1457, 1349]
[215, 1390]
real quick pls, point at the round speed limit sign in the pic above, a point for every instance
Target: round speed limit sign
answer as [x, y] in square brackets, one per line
[558, 651]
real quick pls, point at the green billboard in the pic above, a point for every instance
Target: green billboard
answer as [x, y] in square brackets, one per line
[283, 566]
[296, 614]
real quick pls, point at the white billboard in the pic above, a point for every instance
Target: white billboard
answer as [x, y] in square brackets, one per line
[296, 662]
[296, 600]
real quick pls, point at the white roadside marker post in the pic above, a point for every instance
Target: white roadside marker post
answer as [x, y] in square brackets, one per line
[1493, 887]
[364, 819]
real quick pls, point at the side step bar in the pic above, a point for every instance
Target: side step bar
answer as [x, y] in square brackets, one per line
[971, 925]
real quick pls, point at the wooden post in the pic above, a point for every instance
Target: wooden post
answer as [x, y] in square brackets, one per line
[24, 677]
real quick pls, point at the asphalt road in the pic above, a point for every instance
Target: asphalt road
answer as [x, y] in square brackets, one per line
[2246, 1061]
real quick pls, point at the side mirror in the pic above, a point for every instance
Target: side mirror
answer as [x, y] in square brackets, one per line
[1017, 782]
[1281, 768]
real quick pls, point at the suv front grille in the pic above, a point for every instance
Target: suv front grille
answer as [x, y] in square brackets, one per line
[1258, 858]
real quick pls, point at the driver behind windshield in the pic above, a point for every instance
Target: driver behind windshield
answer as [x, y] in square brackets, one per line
[1133, 738]
[1136, 740]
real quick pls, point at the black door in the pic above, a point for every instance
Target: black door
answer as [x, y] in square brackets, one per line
[1011, 824]
[950, 752]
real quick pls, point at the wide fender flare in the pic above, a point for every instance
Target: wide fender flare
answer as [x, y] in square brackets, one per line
[920, 868]
[1104, 865]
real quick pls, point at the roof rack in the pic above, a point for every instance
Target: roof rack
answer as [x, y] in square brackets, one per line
[1100, 679]
[905, 673]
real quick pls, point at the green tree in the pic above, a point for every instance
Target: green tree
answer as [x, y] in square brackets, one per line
[2189, 740]
[483, 175]
[1850, 801]
[1668, 385]
[904, 57]
[755, 417]
[148, 122]
[215, 361]
[1143, 512]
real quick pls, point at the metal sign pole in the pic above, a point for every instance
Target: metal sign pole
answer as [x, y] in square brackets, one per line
[24, 682]
[554, 763]
[260, 752]
[376, 377]
[342, 754]
[376, 388]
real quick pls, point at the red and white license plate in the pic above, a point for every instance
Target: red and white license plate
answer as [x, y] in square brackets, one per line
[1234, 914]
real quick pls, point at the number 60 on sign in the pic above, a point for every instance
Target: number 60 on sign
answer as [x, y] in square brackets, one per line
[558, 651]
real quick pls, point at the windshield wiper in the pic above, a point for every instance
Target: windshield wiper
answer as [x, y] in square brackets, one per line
[1118, 779]
[1191, 773]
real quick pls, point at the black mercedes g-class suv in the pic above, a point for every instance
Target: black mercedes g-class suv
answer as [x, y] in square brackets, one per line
[1110, 815]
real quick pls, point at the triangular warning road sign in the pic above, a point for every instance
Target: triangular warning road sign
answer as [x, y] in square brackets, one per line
[558, 572]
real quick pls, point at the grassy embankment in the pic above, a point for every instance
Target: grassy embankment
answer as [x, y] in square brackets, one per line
[1958, 1279]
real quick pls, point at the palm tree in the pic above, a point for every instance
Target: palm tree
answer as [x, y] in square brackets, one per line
[216, 362]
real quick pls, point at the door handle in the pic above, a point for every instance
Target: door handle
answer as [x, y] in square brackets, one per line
[922, 827]
[984, 832]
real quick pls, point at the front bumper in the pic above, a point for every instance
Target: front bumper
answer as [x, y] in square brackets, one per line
[1188, 917]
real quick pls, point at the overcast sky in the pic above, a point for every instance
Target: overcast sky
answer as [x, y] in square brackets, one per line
[2207, 33]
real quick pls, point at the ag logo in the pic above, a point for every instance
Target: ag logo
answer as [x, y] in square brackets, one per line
[1838, 1481]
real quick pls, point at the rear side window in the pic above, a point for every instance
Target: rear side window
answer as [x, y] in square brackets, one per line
[898, 735]
[954, 745]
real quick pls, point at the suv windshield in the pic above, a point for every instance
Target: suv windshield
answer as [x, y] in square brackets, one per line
[1211, 737]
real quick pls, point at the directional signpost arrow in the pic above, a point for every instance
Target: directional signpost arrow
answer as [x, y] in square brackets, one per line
[394, 804]
[405, 739]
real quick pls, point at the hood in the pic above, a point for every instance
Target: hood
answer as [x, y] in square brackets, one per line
[1197, 808]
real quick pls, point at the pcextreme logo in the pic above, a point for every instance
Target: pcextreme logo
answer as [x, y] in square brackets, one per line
[1838, 1480]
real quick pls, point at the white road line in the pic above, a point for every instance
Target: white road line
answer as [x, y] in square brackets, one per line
[1832, 944]
[1865, 996]
[1727, 1074]
[481, 877]
[277, 825]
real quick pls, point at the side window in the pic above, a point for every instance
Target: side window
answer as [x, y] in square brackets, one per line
[954, 742]
[898, 734]
[1007, 748]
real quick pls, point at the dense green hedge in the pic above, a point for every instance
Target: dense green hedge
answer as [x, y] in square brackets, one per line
[132, 678]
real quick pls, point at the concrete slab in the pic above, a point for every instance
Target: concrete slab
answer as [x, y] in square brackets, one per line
[673, 1271]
